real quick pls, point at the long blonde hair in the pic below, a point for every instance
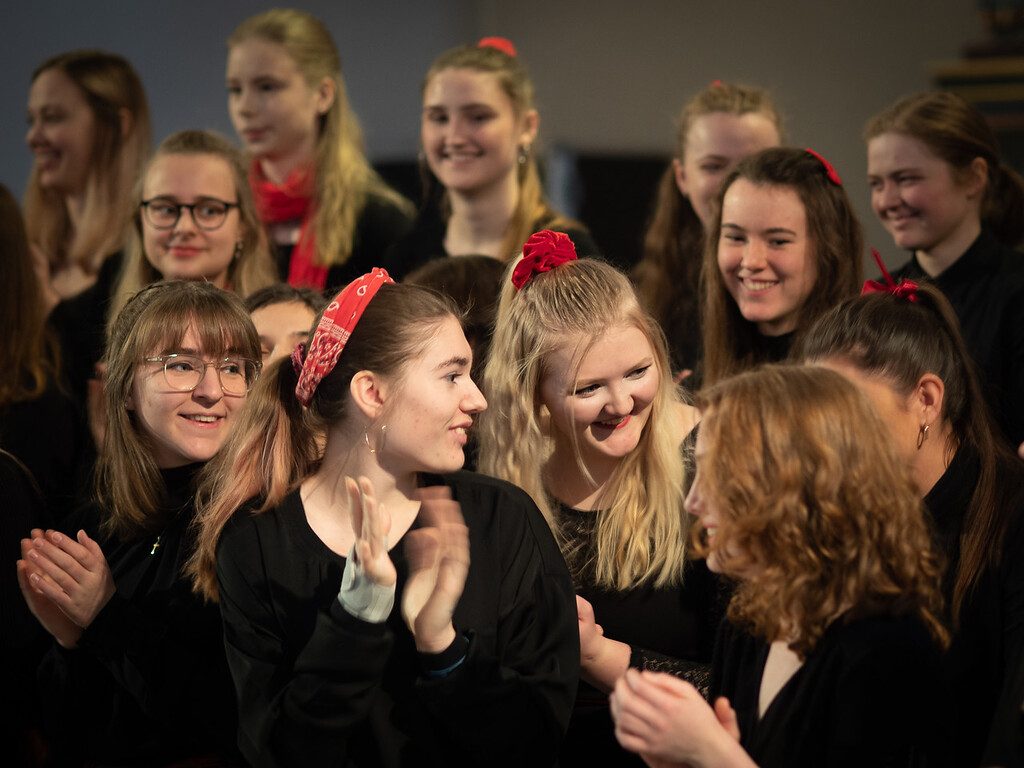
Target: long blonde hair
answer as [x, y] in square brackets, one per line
[532, 211]
[641, 528]
[253, 268]
[814, 504]
[344, 177]
[112, 89]
[155, 320]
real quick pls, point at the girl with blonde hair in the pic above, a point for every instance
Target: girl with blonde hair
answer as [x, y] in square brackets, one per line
[137, 674]
[478, 130]
[831, 652]
[329, 214]
[584, 417]
[89, 131]
[717, 128]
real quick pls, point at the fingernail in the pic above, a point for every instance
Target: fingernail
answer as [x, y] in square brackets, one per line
[34, 578]
[34, 555]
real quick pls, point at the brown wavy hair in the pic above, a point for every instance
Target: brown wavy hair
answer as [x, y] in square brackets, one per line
[732, 343]
[958, 133]
[899, 342]
[532, 211]
[668, 275]
[815, 503]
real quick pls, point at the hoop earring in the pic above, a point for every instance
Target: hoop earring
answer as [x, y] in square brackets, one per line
[380, 442]
[523, 154]
[922, 435]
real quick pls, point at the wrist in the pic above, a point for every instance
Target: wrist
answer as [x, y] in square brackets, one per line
[436, 643]
[721, 749]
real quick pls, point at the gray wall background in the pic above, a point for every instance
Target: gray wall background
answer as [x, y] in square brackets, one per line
[610, 75]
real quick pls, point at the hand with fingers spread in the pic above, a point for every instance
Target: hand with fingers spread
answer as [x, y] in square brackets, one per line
[664, 719]
[371, 524]
[71, 573]
[438, 555]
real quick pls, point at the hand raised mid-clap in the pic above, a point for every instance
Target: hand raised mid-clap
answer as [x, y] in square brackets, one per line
[438, 555]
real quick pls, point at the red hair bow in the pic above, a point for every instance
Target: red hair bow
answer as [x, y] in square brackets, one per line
[904, 289]
[544, 251]
[503, 44]
[830, 170]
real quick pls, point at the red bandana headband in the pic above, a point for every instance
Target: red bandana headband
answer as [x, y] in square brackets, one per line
[544, 251]
[830, 170]
[332, 332]
[904, 289]
[502, 44]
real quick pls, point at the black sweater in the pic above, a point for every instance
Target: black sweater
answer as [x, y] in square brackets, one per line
[317, 686]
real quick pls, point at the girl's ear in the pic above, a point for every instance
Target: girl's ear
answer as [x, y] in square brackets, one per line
[976, 178]
[531, 124]
[326, 91]
[368, 392]
[927, 398]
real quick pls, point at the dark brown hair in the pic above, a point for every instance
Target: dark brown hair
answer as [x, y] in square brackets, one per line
[899, 341]
[730, 341]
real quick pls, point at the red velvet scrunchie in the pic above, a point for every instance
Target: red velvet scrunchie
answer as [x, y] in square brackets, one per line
[544, 251]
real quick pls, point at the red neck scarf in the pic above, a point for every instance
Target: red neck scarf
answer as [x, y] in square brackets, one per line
[291, 201]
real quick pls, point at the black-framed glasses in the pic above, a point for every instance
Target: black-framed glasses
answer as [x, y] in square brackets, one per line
[183, 373]
[208, 213]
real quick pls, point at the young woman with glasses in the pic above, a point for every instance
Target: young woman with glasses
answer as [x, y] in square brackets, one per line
[137, 675]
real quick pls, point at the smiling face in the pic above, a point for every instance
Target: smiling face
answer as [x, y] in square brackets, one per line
[274, 110]
[281, 327]
[61, 132]
[470, 132]
[715, 143]
[182, 427]
[434, 405]
[602, 405]
[765, 255]
[185, 251]
[916, 195]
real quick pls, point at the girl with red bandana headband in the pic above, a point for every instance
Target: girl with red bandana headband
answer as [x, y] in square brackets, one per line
[418, 616]
[584, 416]
[329, 214]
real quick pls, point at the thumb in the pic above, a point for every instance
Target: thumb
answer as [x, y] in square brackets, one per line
[727, 717]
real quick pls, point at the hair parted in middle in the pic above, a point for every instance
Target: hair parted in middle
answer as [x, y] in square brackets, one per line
[344, 177]
[532, 208]
[154, 322]
[834, 235]
[815, 503]
[252, 269]
[641, 528]
[277, 443]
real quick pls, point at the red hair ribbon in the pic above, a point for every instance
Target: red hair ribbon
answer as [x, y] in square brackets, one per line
[333, 331]
[503, 44]
[904, 289]
[544, 251]
[830, 170]
[716, 84]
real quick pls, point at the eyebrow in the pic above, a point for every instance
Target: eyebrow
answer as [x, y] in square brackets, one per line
[454, 360]
[769, 231]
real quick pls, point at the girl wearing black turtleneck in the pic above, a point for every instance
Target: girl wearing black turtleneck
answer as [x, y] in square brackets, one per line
[783, 247]
[137, 674]
[906, 353]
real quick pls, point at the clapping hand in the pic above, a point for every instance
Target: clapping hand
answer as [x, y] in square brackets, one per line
[438, 555]
[371, 524]
[65, 582]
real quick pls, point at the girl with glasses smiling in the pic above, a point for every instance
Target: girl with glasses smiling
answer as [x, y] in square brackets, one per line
[137, 674]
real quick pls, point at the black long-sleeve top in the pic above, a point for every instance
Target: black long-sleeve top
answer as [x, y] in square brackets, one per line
[317, 686]
[986, 288]
[869, 694]
[148, 684]
[988, 643]
[669, 629]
